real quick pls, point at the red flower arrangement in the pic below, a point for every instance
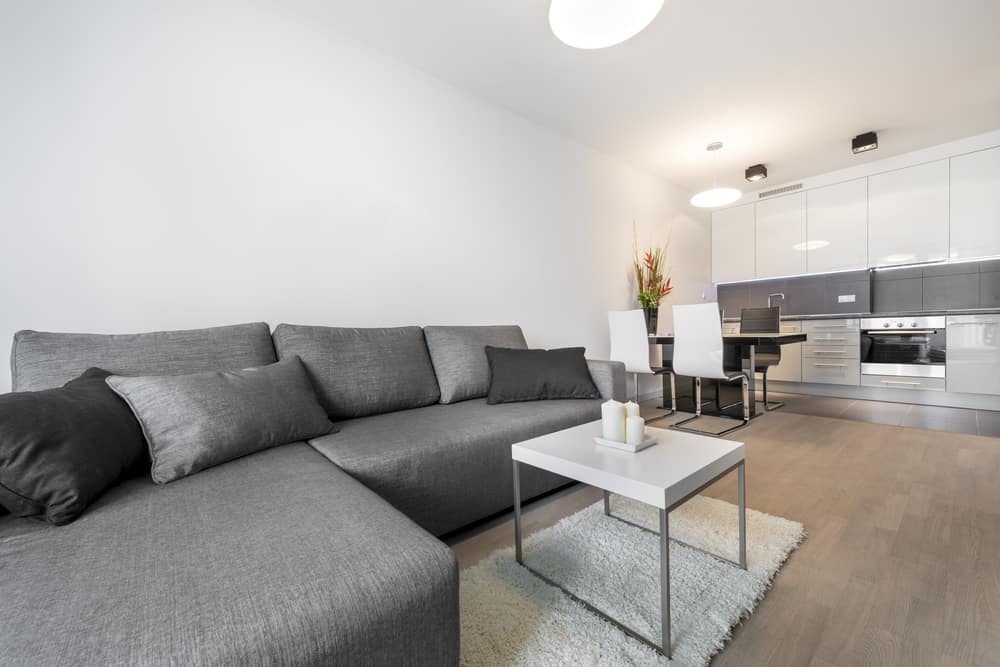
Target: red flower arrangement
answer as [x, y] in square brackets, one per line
[650, 276]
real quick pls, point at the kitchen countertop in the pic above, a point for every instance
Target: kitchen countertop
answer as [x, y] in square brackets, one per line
[924, 313]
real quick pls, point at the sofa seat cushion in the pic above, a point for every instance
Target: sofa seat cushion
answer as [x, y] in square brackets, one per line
[43, 360]
[446, 466]
[360, 372]
[276, 558]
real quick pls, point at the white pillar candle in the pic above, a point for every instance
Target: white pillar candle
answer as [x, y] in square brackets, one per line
[613, 421]
[635, 430]
[631, 409]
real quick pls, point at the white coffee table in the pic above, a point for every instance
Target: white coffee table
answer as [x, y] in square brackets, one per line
[665, 475]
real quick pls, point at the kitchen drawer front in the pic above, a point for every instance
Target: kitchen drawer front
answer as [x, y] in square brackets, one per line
[842, 338]
[831, 371]
[830, 350]
[894, 382]
[791, 327]
[828, 326]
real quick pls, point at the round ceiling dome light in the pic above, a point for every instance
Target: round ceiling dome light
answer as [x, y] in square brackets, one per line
[596, 24]
[715, 196]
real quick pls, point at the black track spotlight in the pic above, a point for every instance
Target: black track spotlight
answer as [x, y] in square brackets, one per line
[864, 142]
[758, 172]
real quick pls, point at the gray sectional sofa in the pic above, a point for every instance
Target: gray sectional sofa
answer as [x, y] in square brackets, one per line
[320, 552]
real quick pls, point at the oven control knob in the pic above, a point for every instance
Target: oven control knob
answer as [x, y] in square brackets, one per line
[913, 325]
[886, 325]
[899, 324]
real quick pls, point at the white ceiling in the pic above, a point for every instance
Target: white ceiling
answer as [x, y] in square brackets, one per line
[783, 82]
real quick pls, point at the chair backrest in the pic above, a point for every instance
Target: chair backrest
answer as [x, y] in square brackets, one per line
[763, 320]
[629, 340]
[760, 320]
[698, 341]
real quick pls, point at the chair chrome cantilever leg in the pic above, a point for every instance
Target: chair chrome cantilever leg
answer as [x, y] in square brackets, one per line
[673, 393]
[769, 406]
[697, 391]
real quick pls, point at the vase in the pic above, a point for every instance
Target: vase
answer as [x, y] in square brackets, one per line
[651, 314]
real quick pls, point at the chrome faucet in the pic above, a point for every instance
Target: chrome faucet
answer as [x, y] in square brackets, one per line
[770, 296]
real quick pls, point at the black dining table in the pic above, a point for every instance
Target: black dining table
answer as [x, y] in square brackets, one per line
[749, 343]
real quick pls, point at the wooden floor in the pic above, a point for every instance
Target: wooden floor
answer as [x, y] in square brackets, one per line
[901, 565]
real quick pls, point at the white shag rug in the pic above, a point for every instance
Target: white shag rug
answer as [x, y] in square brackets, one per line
[511, 617]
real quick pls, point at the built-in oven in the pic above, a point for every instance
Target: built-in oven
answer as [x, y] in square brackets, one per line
[903, 346]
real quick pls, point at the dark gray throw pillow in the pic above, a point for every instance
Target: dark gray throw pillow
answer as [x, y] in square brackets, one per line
[535, 375]
[193, 422]
[60, 449]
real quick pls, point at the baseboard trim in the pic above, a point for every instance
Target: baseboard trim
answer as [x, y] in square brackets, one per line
[939, 398]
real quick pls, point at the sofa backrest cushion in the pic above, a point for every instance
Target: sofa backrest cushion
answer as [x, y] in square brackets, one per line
[459, 357]
[43, 360]
[360, 372]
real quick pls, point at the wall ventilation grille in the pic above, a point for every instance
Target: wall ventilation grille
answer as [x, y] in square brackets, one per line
[779, 191]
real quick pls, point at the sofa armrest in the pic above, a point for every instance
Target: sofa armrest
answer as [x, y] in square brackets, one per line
[609, 376]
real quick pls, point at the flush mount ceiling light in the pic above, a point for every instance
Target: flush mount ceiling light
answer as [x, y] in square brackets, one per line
[757, 172]
[596, 24]
[716, 196]
[864, 142]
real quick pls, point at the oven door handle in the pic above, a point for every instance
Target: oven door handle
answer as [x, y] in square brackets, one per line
[894, 332]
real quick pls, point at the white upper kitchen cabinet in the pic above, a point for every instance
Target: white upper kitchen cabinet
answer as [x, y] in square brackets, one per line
[838, 227]
[975, 205]
[908, 215]
[733, 244]
[781, 236]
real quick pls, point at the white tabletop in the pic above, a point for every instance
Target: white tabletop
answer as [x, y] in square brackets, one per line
[678, 465]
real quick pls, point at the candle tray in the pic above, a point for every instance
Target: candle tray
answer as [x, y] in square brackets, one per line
[625, 447]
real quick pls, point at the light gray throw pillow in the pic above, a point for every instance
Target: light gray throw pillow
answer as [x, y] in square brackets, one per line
[459, 357]
[193, 422]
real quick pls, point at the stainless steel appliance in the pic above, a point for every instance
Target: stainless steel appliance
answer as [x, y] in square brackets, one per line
[903, 346]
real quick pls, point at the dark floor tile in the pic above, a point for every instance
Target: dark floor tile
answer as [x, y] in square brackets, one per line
[956, 420]
[877, 412]
[989, 422]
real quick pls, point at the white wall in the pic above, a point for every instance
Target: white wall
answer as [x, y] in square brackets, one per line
[207, 163]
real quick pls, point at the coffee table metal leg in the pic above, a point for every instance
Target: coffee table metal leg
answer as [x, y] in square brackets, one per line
[741, 473]
[665, 584]
[607, 504]
[517, 514]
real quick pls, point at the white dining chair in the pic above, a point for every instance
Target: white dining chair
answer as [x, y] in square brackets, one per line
[630, 345]
[698, 351]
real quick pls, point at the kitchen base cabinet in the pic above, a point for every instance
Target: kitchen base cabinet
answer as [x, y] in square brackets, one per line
[972, 364]
[831, 353]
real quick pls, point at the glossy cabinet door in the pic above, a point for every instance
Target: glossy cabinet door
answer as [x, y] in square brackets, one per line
[972, 363]
[908, 215]
[781, 236]
[838, 227]
[733, 244]
[975, 205]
